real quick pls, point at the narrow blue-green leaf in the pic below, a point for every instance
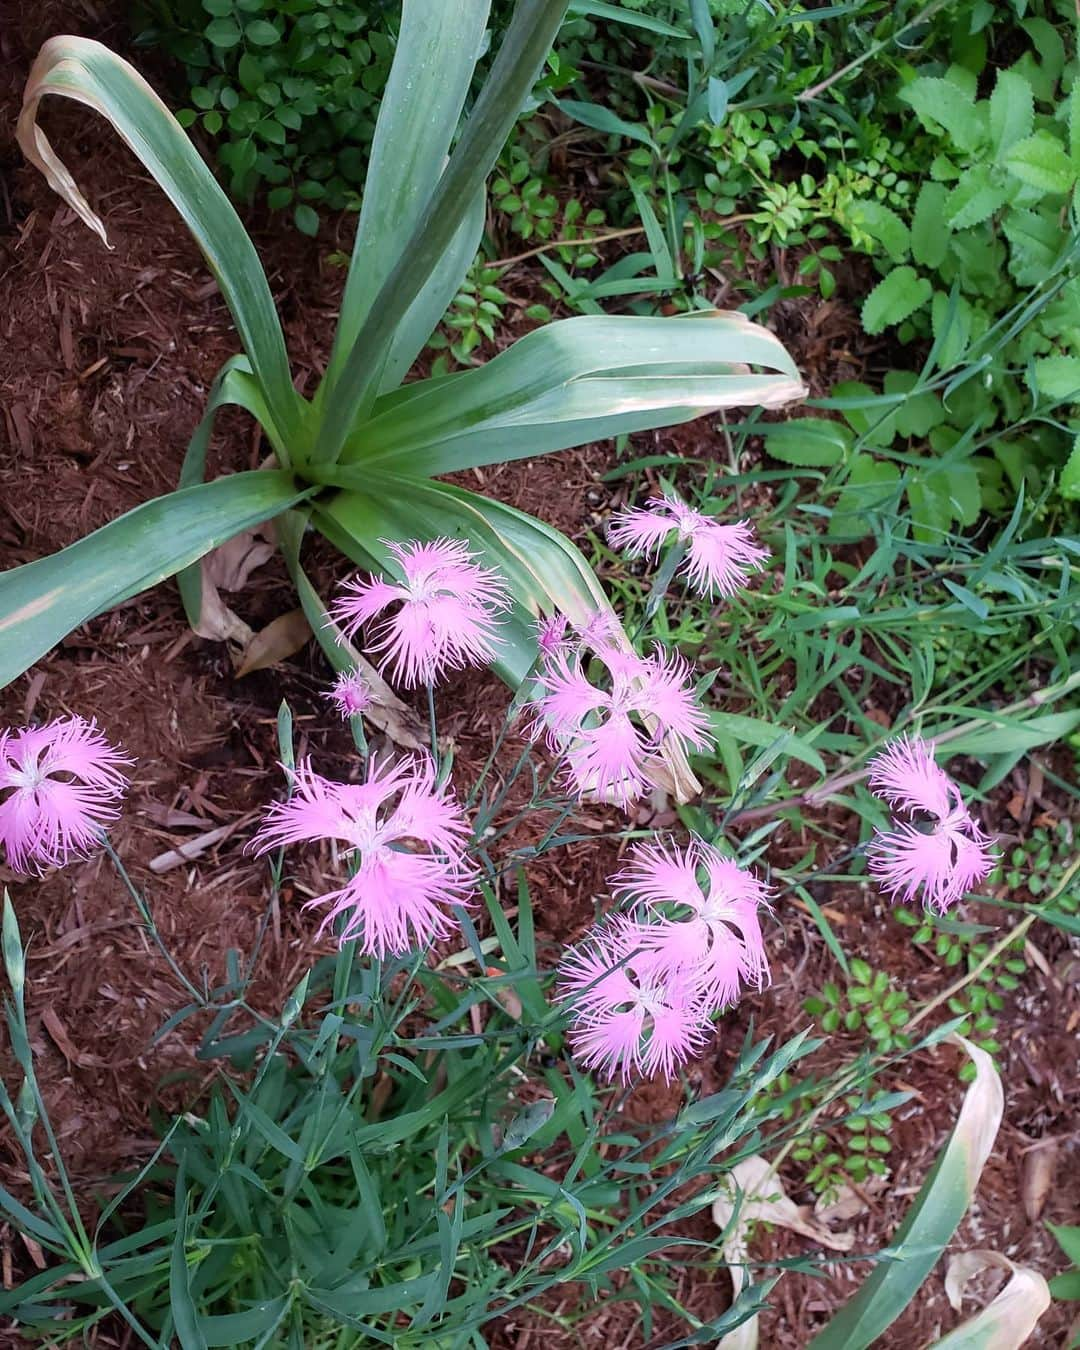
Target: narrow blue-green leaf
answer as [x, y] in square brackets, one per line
[41, 602]
[632, 18]
[185, 1318]
[233, 1329]
[436, 51]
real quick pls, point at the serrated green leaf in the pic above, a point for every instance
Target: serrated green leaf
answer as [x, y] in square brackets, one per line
[929, 242]
[1012, 111]
[1057, 378]
[882, 223]
[976, 196]
[941, 103]
[950, 322]
[1040, 161]
[895, 298]
[920, 412]
[1035, 239]
[1069, 484]
[808, 442]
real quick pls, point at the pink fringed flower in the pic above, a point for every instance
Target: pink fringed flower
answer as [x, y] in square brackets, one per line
[553, 634]
[627, 1017]
[700, 917]
[719, 558]
[444, 615]
[351, 694]
[60, 786]
[407, 838]
[607, 735]
[940, 851]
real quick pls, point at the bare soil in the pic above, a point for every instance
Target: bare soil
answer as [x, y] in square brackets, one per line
[105, 362]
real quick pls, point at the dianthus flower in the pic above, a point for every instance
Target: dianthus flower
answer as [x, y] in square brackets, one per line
[627, 1017]
[608, 735]
[719, 558]
[406, 837]
[60, 786]
[701, 916]
[446, 614]
[553, 634]
[940, 850]
[351, 693]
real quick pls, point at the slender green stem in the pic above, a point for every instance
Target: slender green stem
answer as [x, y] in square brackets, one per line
[148, 920]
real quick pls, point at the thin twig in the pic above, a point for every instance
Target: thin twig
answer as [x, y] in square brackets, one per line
[567, 243]
[872, 51]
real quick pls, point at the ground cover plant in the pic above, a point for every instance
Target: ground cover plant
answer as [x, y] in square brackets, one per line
[443, 1119]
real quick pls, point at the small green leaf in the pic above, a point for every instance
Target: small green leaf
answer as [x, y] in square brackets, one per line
[895, 298]
[307, 220]
[222, 33]
[1040, 161]
[262, 33]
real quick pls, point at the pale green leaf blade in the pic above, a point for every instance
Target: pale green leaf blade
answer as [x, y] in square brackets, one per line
[87, 72]
[347, 397]
[932, 1219]
[436, 53]
[1009, 1320]
[426, 311]
[575, 381]
[42, 601]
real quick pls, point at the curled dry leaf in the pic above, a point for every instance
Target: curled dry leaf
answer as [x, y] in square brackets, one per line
[755, 1194]
[1006, 1322]
[228, 568]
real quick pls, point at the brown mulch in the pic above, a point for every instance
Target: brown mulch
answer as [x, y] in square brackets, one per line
[105, 362]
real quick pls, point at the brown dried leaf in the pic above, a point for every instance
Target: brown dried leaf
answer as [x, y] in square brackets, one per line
[280, 639]
[1038, 1176]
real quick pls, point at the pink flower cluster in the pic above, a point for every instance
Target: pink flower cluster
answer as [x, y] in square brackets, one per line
[406, 838]
[608, 733]
[60, 786]
[719, 558]
[443, 615]
[643, 987]
[939, 849]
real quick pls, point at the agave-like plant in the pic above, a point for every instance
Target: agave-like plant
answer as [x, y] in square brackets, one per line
[361, 460]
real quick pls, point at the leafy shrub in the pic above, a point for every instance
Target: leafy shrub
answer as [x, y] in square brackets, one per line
[286, 91]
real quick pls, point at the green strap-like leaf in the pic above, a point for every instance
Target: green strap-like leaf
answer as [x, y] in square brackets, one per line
[41, 602]
[89, 73]
[433, 65]
[572, 382]
[528, 39]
